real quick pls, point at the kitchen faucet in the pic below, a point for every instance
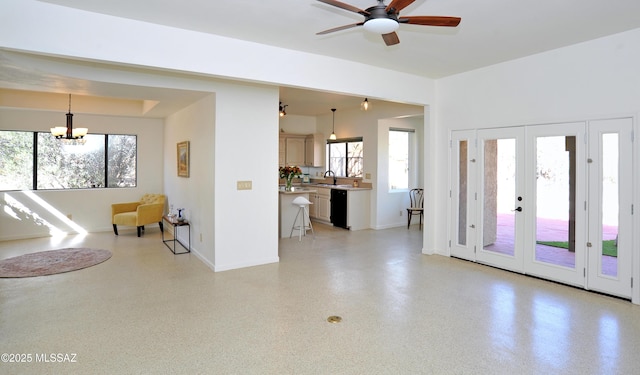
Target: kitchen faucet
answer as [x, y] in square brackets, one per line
[330, 173]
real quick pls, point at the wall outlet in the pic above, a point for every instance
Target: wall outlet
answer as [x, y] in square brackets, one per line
[200, 237]
[244, 185]
[400, 212]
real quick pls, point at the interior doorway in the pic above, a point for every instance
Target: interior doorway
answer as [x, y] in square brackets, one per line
[553, 201]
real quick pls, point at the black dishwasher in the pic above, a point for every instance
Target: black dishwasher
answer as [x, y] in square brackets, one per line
[339, 208]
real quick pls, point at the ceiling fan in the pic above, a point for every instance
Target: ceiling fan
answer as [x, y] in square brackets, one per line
[385, 19]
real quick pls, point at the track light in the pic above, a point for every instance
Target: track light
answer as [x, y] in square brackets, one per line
[283, 110]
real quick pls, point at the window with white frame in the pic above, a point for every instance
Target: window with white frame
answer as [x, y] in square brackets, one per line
[345, 157]
[401, 158]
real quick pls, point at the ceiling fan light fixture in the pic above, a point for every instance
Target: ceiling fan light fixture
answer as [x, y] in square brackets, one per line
[381, 25]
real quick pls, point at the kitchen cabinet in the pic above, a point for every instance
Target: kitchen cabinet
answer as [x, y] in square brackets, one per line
[301, 150]
[358, 209]
[313, 207]
[314, 150]
[321, 205]
[295, 150]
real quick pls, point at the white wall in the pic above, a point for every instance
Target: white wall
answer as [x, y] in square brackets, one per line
[139, 53]
[356, 123]
[48, 29]
[595, 79]
[246, 149]
[295, 124]
[195, 124]
[391, 203]
[228, 144]
[90, 208]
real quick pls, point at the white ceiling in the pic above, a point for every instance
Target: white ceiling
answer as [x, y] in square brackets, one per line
[491, 31]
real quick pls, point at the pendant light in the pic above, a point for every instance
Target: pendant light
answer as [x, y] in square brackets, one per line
[365, 105]
[333, 128]
[68, 132]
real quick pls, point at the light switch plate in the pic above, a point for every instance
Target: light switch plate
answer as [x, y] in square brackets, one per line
[244, 185]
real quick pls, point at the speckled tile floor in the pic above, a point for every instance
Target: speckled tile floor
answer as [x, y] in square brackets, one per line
[147, 311]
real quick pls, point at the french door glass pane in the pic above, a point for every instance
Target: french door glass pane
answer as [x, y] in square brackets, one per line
[555, 200]
[499, 196]
[609, 248]
[462, 194]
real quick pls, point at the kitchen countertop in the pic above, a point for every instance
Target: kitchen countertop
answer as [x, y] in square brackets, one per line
[297, 190]
[339, 187]
[311, 188]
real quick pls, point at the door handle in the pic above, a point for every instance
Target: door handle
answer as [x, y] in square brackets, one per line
[519, 209]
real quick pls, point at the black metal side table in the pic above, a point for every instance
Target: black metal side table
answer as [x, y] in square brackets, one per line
[175, 225]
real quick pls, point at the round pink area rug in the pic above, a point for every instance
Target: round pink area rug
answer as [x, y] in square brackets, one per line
[52, 262]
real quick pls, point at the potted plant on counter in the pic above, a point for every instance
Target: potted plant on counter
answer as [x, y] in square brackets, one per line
[289, 173]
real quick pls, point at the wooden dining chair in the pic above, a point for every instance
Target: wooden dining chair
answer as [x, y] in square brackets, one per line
[417, 205]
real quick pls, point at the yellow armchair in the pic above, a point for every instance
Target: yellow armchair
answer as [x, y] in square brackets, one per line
[148, 210]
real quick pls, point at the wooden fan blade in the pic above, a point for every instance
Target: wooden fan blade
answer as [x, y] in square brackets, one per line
[431, 20]
[391, 38]
[344, 6]
[340, 28]
[398, 5]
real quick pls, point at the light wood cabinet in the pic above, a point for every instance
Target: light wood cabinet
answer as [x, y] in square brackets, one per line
[301, 150]
[295, 151]
[314, 150]
[323, 205]
[313, 207]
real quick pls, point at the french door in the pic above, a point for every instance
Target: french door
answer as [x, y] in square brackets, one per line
[552, 201]
[501, 197]
[556, 223]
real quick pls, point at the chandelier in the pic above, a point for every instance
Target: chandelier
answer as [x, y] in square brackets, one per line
[68, 132]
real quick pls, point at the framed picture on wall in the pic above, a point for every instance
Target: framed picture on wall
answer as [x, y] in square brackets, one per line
[183, 159]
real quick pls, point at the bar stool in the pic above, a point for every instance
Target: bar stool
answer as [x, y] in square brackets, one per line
[303, 211]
